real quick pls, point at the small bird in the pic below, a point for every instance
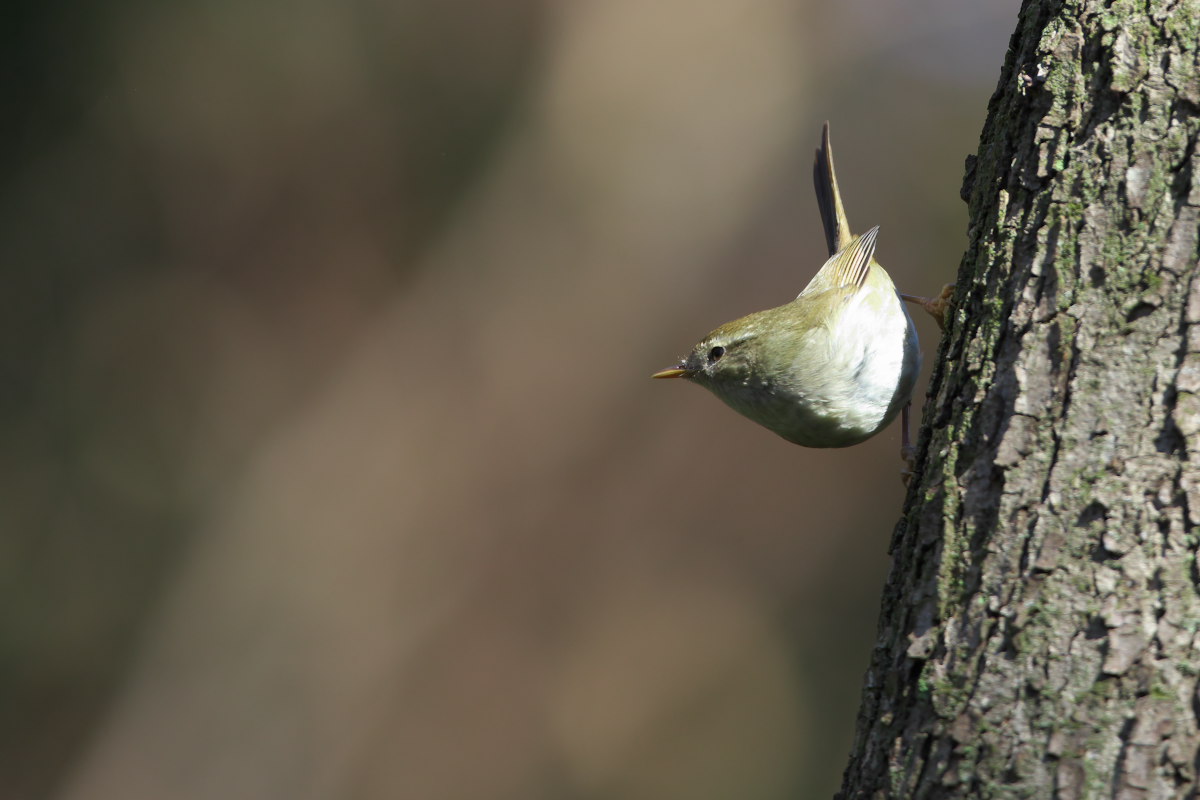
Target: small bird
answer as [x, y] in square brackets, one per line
[832, 367]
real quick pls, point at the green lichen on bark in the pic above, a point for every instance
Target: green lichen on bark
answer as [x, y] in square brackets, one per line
[1039, 628]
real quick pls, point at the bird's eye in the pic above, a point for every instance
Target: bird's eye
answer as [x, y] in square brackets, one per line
[715, 353]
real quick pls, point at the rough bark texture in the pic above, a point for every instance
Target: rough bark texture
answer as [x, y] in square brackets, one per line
[1039, 631]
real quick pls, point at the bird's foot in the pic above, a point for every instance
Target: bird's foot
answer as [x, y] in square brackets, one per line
[935, 306]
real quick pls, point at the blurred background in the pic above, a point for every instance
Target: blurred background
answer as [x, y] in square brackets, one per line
[330, 466]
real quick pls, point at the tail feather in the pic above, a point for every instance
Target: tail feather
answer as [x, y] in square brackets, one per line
[829, 199]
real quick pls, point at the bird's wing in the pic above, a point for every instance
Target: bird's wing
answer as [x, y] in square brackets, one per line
[848, 268]
[829, 199]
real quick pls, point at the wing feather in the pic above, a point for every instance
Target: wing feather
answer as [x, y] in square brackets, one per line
[848, 268]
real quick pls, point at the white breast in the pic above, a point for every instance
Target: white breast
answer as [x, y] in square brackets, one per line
[874, 359]
[881, 360]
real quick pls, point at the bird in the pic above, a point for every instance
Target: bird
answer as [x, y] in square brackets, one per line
[834, 366]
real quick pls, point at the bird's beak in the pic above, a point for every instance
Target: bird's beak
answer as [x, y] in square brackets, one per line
[673, 372]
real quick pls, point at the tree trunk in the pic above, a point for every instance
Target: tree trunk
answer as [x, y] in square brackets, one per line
[1038, 636]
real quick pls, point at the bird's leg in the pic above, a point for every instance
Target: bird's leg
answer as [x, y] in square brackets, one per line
[908, 453]
[936, 306]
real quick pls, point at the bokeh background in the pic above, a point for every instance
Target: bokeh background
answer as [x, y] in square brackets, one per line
[329, 462]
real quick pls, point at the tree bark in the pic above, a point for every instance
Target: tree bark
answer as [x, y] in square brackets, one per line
[1038, 636]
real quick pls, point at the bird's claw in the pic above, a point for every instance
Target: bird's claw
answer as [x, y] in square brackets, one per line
[938, 306]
